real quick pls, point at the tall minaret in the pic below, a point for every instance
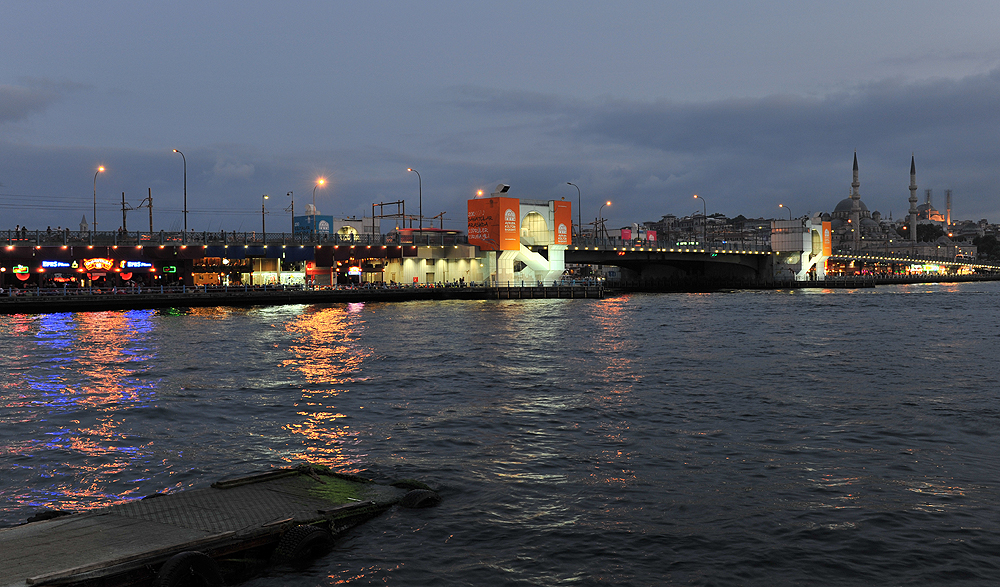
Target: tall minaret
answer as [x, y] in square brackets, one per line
[947, 199]
[913, 201]
[856, 206]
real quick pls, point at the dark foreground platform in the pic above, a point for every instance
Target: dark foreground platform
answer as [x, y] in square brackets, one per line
[280, 516]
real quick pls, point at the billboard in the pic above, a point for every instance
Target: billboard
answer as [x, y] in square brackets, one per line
[563, 223]
[494, 224]
[827, 239]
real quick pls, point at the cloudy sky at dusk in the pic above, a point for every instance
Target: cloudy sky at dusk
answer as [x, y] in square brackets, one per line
[750, 105]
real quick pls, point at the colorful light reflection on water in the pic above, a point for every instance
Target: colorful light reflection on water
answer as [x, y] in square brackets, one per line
[66, 404]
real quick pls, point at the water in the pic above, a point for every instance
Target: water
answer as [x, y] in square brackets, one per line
[843, 437]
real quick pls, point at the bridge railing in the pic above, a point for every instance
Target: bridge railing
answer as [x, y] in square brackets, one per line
[68, 237]
[743, 245]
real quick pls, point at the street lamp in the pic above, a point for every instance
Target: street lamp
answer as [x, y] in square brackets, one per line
[786, 208]
[262, 212]
[94, 229]
[292, 209]
[704, 226]
[420, 195]
[579, 208]
[319, 182]
[183, 158]
[600, 218]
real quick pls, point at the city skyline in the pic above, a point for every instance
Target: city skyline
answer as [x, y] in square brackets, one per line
[643, 104]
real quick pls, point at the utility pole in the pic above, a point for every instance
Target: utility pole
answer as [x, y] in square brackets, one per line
[125, 208]
[148, 203]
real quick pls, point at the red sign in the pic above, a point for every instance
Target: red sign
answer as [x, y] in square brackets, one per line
[564, 223]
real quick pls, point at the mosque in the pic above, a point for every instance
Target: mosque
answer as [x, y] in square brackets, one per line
[805, 246]
[855, 228]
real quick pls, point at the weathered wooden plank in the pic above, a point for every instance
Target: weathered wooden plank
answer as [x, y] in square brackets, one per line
[92, 541]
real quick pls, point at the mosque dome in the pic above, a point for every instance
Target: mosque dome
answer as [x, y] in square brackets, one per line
[847, 204]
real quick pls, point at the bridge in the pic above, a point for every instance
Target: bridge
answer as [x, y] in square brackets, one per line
[672, 264]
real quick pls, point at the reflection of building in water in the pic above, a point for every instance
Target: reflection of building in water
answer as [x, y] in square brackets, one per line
[326, 352]
[85, 399]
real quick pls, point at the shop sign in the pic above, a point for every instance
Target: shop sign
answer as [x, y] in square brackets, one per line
[135, 265]
[170, 269]
[21, 269]
[98, 263]
[355, 270]
[55, 265]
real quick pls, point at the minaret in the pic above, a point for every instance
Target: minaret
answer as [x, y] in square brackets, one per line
[947, 199]
[913, 201]
[856, 206]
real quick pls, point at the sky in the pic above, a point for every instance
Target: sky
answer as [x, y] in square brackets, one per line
[642, 103]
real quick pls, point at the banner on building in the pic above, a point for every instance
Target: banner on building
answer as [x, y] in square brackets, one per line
[494, 224]
[827, 239]
[563, 222]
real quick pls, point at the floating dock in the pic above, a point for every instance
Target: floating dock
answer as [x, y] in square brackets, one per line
[164, 539]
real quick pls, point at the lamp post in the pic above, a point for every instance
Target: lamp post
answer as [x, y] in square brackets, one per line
[292, 209]
[184, 159]
[94, 229]
[786, 208]
[579, 208]
[600, 218]
[420, 196]
[262, 212]
[319, 182]
[704, 226]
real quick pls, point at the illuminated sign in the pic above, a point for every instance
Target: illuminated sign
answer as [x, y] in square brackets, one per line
[55, 265]
[98, 263]
[169, 269]
[135, 265]
[354, 270]
[19, 269]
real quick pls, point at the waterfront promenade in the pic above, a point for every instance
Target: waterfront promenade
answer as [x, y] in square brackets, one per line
[44, 300]
[47, 300]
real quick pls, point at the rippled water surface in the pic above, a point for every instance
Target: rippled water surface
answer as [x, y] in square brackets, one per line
[745, 438]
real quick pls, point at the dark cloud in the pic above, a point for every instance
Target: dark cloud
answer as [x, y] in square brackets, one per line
[748, 155]
[19, 102]
[744, 156]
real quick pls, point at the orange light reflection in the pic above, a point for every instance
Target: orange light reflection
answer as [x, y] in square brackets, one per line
[327, 353]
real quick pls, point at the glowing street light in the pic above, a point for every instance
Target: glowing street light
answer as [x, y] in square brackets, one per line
[579, 207]
[262, 212]
[704, 227]
[420, 195]
[319, 182]
[183, 158]
[94, 224]
[786, 208]
[600, 218]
